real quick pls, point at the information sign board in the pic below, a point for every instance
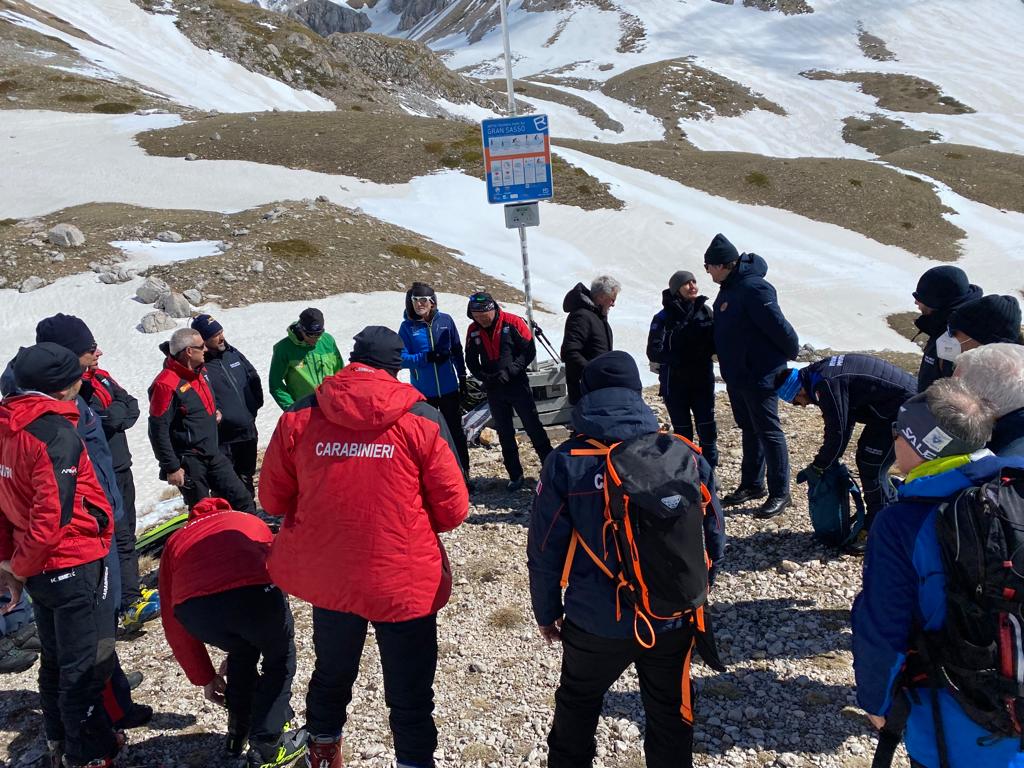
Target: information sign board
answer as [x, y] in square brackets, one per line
[517, 153]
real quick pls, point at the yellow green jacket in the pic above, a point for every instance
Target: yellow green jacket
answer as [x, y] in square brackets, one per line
[297, 369]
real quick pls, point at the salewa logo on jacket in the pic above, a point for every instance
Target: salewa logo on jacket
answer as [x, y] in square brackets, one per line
[356, 450]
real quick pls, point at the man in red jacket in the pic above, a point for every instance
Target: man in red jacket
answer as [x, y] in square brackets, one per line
[365, 475]
[215, 589]
[183, 420]
[55, 529]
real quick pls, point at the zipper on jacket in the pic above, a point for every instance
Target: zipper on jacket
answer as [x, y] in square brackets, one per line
[430, 336]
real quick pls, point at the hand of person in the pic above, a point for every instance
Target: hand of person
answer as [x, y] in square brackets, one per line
[176, 478]
[13, 583]
[655, 367]
[552, 633]
[463, 386]
[219, 415]
[877, 721]
[215, 689]
[502, 376]
[437, 356]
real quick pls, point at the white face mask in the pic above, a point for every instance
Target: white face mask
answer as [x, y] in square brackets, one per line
[947, 347]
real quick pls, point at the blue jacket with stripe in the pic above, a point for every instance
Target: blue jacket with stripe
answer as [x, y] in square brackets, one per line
[438, 334]
[904, 590]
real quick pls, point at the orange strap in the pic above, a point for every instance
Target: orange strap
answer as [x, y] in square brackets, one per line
[598, 449]
[637, 616]
[686, 702]
[687, 441]
[578, 540]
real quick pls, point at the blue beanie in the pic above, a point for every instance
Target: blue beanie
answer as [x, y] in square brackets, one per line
[206, 326]
[790, 387]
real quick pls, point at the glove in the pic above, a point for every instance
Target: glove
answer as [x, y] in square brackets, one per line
[655, 367]
[437, 356]
[463, 387]
[810, 474]
[501, 377]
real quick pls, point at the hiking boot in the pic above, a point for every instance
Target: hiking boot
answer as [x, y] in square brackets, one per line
[858, 545]
[134, 680]
[238, 733]
[774, 507]
[743, 494]
[137, 716]
[27, 638]
[515, 484]
[280, 752]
[13, 659]
[144, 609]
[324, 752]
[99, 762]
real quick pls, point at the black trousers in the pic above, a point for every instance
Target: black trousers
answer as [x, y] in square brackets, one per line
[74, 610]
[875, 456]
[684, 397]
[505, 401]
[451, 410]
[242, 455]
[214, 476]
[124, 539]
[591, 664]
[250, 623]
[408, 657]
[764, 443]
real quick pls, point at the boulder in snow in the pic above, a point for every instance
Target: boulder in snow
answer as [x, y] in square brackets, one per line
[169, 236]
[174, 304]
[30, 284]
[194, 296]
[157, 322]
[151, 290]
[66, 236]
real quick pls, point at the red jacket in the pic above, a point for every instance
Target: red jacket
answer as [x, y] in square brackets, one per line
[53, 512]
[366, 480]
[217, 550]
[182, 415]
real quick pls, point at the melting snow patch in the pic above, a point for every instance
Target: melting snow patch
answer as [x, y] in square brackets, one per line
[146, 253]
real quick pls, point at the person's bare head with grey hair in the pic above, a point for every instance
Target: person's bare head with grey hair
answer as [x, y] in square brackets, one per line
[186, 346]
[604, 290]
[949, 419]
[996, 373]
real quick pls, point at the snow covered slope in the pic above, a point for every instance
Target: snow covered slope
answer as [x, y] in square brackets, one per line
[124, 41]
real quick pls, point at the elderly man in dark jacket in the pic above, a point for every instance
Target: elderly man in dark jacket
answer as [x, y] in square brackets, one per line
[854, 389]
[753, 340]
[939, 292]
[597, 647]
[680, 345]
[239, 394]
[587, 333]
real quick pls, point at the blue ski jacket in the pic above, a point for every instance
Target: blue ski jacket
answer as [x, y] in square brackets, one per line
[570, 496]
[905, 589]
[438, 333]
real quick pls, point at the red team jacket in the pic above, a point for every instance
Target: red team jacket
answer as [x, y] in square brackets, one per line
[217, 550]
[365, 479]
[53, 512]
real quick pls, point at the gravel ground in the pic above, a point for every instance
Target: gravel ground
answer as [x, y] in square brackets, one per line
[781, 607]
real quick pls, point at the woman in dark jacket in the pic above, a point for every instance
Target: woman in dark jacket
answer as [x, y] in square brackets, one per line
[680, 345]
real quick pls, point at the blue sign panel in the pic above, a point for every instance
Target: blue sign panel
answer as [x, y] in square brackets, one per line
[517, 152]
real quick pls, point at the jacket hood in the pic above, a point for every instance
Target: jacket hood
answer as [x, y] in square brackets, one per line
[18, 411]
[579, 298]
[613, 414]
[208, 506]
[751, 265]
[982, 468]
[422, 290]
[365, 398]
[292, 334]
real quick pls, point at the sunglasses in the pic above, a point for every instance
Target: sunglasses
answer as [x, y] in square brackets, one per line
[421, 300]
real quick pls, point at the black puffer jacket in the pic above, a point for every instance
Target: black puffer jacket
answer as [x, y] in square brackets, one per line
[682, 338]
[587, 335]
[852, 389]
[934, 325]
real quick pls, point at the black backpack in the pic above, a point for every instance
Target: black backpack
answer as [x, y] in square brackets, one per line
[654, 513]
[979, 654]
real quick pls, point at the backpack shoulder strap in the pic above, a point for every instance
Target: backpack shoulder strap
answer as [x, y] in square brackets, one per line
[597, 448]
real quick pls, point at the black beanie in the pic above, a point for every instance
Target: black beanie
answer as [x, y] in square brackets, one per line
[942, 287]
[311, 321]
[46, 367]
[67, 330]
[721, 251]
[989, 320]
[206, 326]
[379, 347]
[679, 279]
[480, 302]
[612, 369]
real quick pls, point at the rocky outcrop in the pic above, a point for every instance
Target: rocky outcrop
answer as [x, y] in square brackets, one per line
[412, 12]
[327, 18]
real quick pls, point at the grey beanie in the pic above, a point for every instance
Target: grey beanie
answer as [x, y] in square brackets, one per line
[679, 279]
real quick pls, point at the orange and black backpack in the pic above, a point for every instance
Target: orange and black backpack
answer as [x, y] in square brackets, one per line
[654, 511]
